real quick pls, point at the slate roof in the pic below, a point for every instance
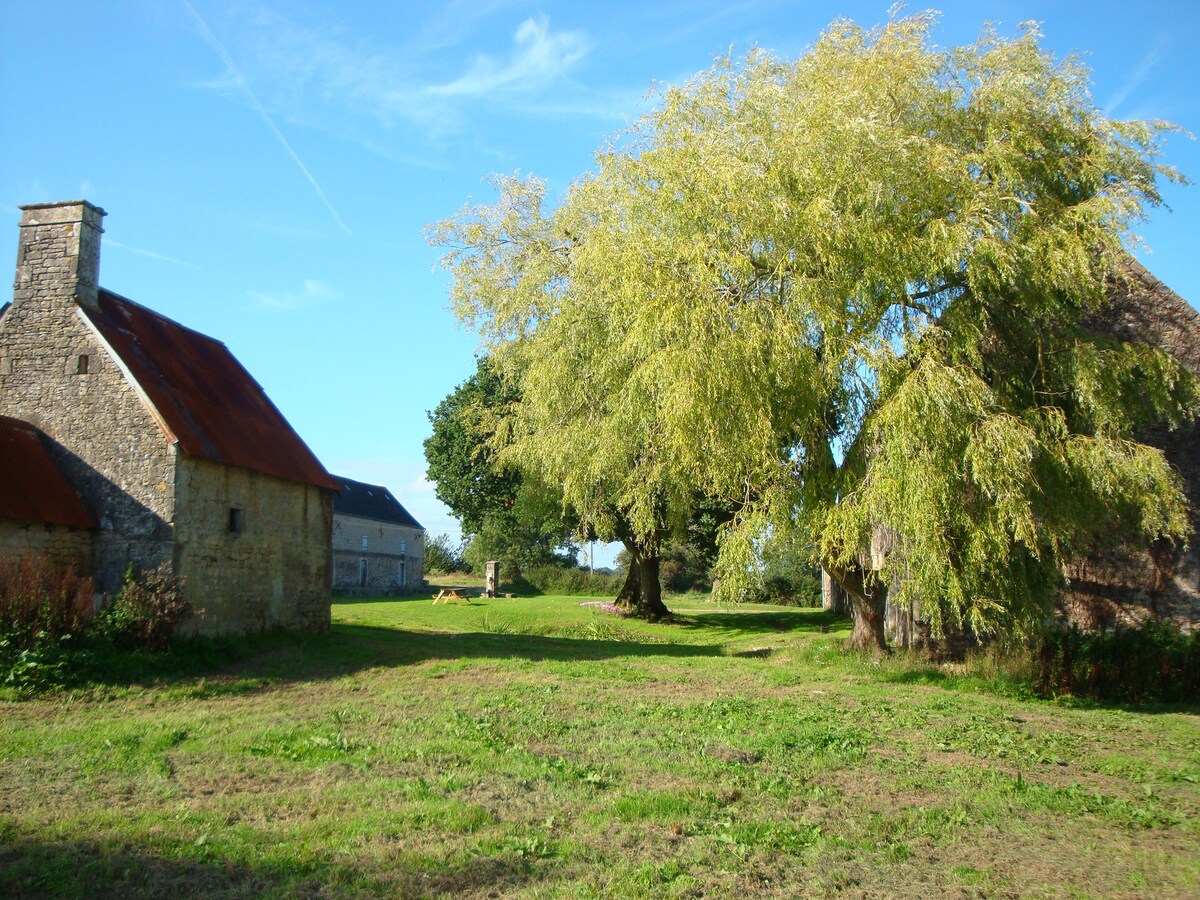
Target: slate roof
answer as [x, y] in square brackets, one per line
[202, 395]
[371, 501]
[32, 487]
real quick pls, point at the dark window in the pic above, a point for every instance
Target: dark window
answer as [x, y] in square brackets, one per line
[235, 520]
[82, 364]
[362, 573]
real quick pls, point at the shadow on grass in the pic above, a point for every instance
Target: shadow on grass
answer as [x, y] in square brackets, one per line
[346, 649]
[932, 675]
[350, 648]
[89, 869]
[810, 620]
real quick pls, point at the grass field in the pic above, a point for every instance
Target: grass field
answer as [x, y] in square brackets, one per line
[539, 748]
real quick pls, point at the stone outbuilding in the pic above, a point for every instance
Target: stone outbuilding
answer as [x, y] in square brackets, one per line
[1133, 582]
[378, 547]
[173, 450]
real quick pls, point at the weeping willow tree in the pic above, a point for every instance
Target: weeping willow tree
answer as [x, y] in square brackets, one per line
[843, 293]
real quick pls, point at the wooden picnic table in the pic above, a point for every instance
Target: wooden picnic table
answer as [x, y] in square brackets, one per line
[448, 594]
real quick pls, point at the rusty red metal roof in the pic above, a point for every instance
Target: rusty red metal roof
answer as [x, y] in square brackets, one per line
[210, 404]
[32, 487]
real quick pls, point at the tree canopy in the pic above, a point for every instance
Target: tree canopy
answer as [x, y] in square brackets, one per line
[843, 293]
[508, 515]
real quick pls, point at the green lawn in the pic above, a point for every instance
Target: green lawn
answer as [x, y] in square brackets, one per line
[538, 748]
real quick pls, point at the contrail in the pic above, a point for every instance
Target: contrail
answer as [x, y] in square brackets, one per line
[262, 112]
[179, 262]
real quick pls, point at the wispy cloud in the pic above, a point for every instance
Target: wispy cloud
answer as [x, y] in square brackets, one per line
[1135, 80]
[109, 242]
[540, 56]
[311, 293]
[240, 83]
[326, 76]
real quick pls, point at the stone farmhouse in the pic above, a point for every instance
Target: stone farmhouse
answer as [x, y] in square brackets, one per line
[129, 439]
[378, 547]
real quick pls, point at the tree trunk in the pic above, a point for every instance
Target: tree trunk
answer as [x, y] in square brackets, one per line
[867, 600]
[642, 592]
[651, 606]
[631, 591]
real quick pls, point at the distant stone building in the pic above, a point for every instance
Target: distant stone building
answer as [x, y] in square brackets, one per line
[378, 547]
[174, 453]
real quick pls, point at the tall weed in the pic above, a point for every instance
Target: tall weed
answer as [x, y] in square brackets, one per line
[147, 610]
[40, 603]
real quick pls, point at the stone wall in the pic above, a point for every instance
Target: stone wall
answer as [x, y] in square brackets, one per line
[62, 546]
[268, 565]
[387, 546]
[1133, 583]
[103, 436]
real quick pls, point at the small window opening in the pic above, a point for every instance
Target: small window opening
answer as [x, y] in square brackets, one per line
[402, 546]
[235, 520]
[364, 542]
[82, 364]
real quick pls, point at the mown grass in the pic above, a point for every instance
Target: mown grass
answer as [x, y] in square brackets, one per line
[538, 748]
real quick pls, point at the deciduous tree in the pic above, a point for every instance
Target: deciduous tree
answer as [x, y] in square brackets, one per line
[843, 292]
[508, 515]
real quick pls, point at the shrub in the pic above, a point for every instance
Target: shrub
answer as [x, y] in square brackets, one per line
[1155, 662]
[442, 556]
[40, 604]
[147, 609]
[569, 580]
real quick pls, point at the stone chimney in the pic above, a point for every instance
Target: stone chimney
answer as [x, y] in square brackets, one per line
[58, 254]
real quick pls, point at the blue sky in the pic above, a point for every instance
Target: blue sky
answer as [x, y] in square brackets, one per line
[268, 167]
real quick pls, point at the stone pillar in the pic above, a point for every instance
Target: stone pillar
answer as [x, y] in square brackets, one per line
[492, 578]
[58, 254]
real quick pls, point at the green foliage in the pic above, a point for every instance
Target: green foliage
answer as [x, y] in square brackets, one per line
[568, 580]
[510, 517]
[443, 556]
[843, 295]
[790, 571]
[44, 612]
[461, 464]
[50, 637]
[1153, 663]
[146, 610]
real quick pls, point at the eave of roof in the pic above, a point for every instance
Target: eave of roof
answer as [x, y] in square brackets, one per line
[32, 487]
[203, 396]
[371, 501]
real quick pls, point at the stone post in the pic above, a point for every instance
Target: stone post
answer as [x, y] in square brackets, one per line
[492, 578]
